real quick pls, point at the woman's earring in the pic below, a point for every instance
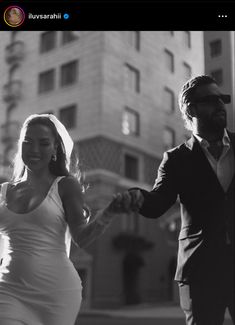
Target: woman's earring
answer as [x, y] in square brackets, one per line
[54, 157]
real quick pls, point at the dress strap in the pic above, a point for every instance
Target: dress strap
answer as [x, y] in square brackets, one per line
[55, 196]
[3, 190]
[54, 193]
[54, 185]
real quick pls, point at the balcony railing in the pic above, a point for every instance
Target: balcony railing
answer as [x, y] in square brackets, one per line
[12, 91]
[15, 52]
[10, 132]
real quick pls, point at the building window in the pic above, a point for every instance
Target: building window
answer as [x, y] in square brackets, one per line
[169, 60]
[68, 116]
[132, 78]
[168, 138]
[169, 100]
[215, 48]
[69, 73]
[130, 122]
[218, 76]
[131, 167]
[187, 38]
[133, 39]
[46, 81]
[47, 41]
[187, 71]
[69, 36]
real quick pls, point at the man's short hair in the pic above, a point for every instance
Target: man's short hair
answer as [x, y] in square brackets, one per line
[186, 96]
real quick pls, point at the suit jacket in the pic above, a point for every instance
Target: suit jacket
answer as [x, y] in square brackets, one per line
[207, 212]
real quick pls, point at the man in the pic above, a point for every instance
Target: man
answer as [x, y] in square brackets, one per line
[201, 173]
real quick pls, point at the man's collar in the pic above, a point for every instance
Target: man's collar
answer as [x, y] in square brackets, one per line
[226, 140]
[204, 143]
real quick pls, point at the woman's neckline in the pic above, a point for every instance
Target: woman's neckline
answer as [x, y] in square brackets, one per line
[35, 208]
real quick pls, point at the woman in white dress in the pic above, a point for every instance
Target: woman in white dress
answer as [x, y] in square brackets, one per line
[41, 208]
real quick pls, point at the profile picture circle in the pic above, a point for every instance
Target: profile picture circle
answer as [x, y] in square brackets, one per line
[14, 16]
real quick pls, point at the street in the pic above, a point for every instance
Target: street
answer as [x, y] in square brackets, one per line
[109, 320]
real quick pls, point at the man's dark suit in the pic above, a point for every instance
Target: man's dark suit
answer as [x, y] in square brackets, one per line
[207, 212]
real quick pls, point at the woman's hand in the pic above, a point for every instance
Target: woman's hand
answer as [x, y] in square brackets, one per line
[126, 202]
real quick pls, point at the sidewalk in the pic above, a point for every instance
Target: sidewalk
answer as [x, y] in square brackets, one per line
[142, 311]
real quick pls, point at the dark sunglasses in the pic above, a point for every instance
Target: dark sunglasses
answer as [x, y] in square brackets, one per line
[213, 99]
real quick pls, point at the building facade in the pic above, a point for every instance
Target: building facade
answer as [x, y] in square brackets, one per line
[220, 63]
[116, 92]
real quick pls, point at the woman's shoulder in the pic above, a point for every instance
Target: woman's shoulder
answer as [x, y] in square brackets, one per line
[69, 185]
[69, 181]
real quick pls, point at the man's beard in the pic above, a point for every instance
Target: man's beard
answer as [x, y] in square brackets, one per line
[219, 122]
[216, 123]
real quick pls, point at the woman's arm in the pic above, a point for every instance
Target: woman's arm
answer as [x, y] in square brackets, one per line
[82, 231]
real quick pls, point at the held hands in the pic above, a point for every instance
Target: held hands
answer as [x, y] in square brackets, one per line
[126, 202]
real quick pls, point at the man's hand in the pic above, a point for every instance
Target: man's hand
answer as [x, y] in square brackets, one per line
[137, 199]
[126, 202]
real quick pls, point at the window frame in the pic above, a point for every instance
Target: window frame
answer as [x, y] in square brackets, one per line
[74, 38]
[73, 118]
[75, 70]
[169, 57]
[133, 39]
[188, 40]
[214, 52]
[135, 158]
[173, 134]
[167, 90]
[189, 69]
[42, 48]
[136, 116]
[40, 87]
[132, 78]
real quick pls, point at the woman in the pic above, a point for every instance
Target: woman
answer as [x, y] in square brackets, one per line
[40, 210]
[14, 16]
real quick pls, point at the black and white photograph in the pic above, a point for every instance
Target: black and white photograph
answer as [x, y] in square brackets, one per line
[117, 153]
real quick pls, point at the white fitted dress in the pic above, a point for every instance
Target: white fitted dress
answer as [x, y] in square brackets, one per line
[38, 283]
